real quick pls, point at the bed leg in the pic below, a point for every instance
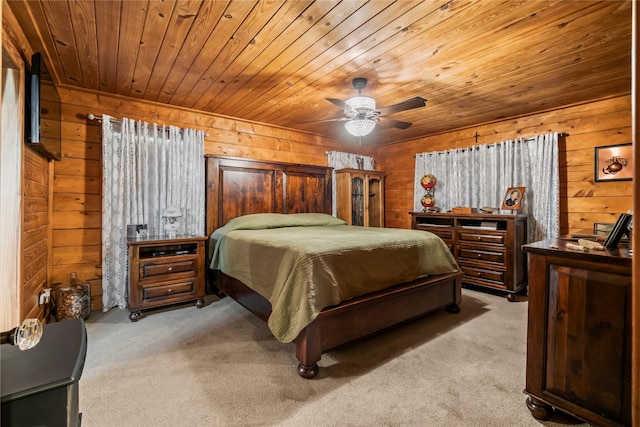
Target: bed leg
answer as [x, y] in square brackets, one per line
[308, 372]
[454, 307]
[309, 351]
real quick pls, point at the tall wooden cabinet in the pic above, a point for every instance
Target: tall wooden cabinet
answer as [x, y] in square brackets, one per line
[579, 333]
[360, 197]
[486, 246]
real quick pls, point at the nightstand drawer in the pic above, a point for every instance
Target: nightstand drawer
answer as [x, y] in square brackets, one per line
[496, 239]
[157, 270]
[474, 254]
[150, 293]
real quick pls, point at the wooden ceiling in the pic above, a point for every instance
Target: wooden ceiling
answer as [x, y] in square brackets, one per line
[277, 61]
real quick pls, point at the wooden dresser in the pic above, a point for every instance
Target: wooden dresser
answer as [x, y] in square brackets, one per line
[579, 333]
[165, 271]
[486, 246]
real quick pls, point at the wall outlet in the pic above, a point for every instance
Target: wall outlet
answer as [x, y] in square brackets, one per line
[43, 297]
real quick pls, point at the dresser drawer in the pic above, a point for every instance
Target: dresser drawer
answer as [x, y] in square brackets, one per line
[469, 280]
[478, 273]
[443, 232]
[480, 255]
[151, 293]
[495, 239]
[156, 270]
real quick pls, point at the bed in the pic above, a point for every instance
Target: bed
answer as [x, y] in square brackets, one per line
[255, 206]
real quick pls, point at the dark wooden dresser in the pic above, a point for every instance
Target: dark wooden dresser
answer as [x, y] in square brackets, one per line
[488, 247]
[579, 333]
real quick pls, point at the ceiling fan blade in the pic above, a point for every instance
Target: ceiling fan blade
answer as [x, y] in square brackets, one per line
[341, 119]
[409, 104]
[337, 102]
[386, 122]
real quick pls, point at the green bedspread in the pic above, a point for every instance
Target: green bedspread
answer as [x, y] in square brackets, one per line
[303, 263]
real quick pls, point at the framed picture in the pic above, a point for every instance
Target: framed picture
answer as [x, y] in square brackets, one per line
[619, 230]
[614, 163]
[513, 198]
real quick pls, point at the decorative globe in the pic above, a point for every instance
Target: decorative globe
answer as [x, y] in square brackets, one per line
[428, 201]
[428, 181]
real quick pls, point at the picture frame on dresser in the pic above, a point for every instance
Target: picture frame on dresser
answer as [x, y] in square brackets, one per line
[614, 163]
[619, 230]
[513, 198]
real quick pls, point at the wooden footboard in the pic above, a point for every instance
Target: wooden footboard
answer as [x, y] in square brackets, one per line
[358, 317]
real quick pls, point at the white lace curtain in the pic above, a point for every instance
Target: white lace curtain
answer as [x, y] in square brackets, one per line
[341, 160]
[479, 176]
[145, 169]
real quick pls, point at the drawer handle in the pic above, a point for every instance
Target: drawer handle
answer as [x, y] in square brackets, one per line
[479, 274]
[170, 268]
[169, 290]
[479, 237]
[479, 255]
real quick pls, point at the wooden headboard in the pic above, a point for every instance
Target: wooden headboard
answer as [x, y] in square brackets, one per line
[236, 187]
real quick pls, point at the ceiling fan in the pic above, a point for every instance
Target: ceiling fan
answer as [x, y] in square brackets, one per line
[362, 116]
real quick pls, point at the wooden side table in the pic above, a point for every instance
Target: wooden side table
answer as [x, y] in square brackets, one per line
[165, 271]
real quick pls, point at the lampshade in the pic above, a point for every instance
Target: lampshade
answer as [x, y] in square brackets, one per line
[171, 212]
[171, 223]
[360, 127]
[360, 105]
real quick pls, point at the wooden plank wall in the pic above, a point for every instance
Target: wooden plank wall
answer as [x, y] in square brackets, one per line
[76, 244]
[583, 201]
[35, 231]
[76, 209]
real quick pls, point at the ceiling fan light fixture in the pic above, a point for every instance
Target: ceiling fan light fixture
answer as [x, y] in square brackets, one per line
[360, 126]
[360, 105]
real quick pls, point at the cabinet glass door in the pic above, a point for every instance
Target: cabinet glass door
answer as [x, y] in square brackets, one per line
[375, 204]
[357, 200]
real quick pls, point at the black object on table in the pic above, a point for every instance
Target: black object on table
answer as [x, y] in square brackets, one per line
[40, 386]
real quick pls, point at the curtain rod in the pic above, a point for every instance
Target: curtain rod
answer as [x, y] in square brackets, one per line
[336, 151]
[91, 116]
[560, 135]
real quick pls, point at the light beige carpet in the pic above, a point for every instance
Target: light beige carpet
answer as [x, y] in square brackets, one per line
[220, 366]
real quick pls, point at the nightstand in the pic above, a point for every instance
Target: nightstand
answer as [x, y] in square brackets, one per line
[165, 271]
